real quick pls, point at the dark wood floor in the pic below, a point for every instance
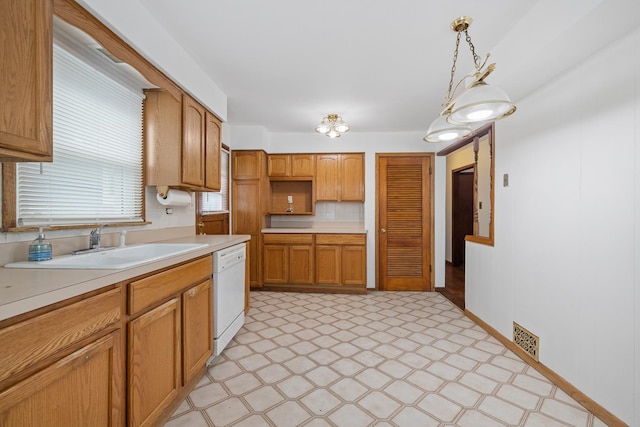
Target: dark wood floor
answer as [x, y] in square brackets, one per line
[454, 285]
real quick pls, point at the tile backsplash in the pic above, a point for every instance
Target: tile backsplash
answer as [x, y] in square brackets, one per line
[328, 214]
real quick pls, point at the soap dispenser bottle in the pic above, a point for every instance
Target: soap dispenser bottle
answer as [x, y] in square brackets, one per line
[40, 248]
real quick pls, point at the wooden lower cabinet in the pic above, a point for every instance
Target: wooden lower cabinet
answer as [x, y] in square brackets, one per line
[81, 389]
[315, 262]
[87, 362]
[197, 333]
[288, 259]
[170, 337]
[341, 259]
[64, 365]
[354, 265]
[154, 362]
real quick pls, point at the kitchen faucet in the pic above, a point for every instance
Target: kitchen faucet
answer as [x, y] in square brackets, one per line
[94, 237]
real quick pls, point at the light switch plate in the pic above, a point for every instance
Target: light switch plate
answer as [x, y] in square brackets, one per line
[505, 180]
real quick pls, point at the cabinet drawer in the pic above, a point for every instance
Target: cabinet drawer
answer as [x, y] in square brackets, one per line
[27, 343]
[341, 239]
[145, 292]
[287, 238]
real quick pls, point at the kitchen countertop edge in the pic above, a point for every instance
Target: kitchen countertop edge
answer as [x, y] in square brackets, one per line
[24, 290]
[316, 230]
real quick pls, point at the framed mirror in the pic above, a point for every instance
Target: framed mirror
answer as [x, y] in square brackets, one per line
[475, 154]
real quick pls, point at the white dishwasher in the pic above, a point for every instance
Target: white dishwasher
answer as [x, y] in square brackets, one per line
[228, 295]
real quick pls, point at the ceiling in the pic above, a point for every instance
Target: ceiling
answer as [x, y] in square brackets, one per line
[384, 66]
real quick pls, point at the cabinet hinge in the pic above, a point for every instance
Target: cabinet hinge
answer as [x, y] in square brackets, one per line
[430, 171]
[430, 268]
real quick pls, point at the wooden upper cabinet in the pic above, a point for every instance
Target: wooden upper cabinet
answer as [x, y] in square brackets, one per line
[303, 165]
[26, 87]
[352, 177]
[193, 154]
[248, 164]
[279, 165]
[213, 132]
[327, 177]
[182, 142]
[291, 165]
[340, 177]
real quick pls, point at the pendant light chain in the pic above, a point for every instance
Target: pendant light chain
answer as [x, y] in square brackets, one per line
[476, 58]
[453, 72]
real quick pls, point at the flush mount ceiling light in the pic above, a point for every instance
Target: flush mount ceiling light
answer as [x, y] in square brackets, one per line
[332, 125]
[478, 103]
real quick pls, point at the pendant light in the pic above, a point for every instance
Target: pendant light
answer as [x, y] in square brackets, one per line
[478, 103]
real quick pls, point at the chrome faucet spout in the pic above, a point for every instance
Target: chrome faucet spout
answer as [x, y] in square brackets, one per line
[94, 237]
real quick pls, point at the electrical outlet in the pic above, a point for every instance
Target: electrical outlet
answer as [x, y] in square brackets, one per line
[289, 199]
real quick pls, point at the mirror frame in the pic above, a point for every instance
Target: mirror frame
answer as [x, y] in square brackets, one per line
[489, 130]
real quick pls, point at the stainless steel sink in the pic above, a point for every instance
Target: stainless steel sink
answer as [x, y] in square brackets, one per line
[114, 259]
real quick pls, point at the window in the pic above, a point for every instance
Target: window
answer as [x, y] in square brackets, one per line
[218, 202]
[96, 173]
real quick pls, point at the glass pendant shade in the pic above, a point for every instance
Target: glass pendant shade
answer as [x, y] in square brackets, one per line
[333, 134]
[341, 126]
[481, 103]
[443, 131]
[323, 127]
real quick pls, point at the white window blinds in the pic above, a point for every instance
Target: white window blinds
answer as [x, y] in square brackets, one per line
[218, 202]
[96, 173]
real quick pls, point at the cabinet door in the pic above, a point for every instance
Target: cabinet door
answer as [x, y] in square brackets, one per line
[212, 153]
[197, 333]
[279, 165]
[328, 264]
[327, 177]
[352, 177]
[276, 263]
[193, 119]
[354, 265]
[154, 362]
[81, 389]
[26, 89]
[301, 264]
[247, 164]
[303, 165]
[247, 212]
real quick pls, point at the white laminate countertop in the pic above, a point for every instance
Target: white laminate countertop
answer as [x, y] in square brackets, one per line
[316, 230]
[23, 290]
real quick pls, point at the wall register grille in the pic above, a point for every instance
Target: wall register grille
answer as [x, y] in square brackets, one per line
[527, 341]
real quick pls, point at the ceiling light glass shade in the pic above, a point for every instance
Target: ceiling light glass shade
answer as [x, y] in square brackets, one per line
[323, 127]
[443, 131]
[481, 103]
[333, 134]
[341, 126]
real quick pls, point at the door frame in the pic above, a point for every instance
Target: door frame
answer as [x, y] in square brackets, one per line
[430, 190]
[455, 217]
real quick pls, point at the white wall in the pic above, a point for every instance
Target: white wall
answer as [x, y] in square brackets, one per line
[370, 144]
[131, 21]
[566, 260]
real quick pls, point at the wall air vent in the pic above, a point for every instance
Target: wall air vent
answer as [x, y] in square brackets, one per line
[528, 342]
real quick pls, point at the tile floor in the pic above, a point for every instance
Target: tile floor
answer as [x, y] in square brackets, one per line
[382, 359]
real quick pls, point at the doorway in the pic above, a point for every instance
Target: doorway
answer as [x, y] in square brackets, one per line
[461, 212]
[404, 232]
[461, 226]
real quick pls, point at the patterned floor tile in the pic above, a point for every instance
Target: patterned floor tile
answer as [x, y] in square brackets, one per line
[385, 359]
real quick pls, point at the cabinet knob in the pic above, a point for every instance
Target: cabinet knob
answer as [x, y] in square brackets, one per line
[383, 230]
